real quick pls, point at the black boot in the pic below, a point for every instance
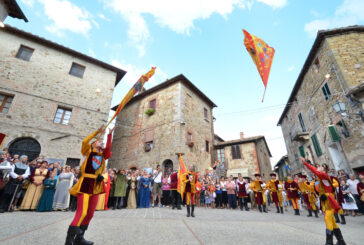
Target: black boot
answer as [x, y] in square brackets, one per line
[309, 213]
[278, 210]
[343, 221]
[246, 206]
[260, 208]
[115, 203]
[241, 204]
[264, 209]
[329, 237]
[296, 212]
[193, 211]
[339, 237]
[188, 211]
[281, 210]
[80, 240]
[337, 218]
[72, 232]
[316, 214]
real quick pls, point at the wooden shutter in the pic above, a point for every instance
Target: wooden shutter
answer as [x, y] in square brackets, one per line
[238, 153]
[233, 152]
[302, 151]
[333, 133]
[316, 145]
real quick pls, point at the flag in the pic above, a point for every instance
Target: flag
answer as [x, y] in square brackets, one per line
[2, 139]
[261, 54]
[182, 170]
[137, 88]
[287, 166]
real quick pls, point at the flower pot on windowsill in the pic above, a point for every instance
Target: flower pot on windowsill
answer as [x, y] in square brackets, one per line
[191, 144]
[150, 111]
[147, 148]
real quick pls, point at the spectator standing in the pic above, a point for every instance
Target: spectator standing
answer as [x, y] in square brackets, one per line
[144, 191]
[157, 185]
[132, 197]
[353, 188]
[35, 189]
[73, 199]
[218, 192]
[360, 189]
[223, 184]
[62, 195]
[230, 187]
[5, 168]
[120, 189]
[349, 202]
[46, 201]
[166, 191]
[102, 201]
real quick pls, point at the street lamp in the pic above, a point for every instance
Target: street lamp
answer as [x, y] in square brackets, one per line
[340, 108]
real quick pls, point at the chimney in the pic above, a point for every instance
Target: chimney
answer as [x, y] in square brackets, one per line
[241, 135]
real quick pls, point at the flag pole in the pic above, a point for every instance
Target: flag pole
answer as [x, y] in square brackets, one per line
[264, 94]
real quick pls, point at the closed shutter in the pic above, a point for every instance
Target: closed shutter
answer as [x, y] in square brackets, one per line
[316, 145]
[235, 150]
[333, 133]
[302, 151]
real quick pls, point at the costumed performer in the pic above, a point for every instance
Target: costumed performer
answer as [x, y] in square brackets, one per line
[189, 180]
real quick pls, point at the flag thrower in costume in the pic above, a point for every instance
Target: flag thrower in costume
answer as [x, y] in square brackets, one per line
[261, 54]
[181, 171]
[137, 88]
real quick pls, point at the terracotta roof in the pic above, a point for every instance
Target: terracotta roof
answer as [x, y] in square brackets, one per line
[321, 35]
[14, 10]
[179, 78]
[243, 141]
[219, 138]
[15, 31]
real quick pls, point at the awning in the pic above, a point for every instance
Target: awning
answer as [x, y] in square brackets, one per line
[234, 172]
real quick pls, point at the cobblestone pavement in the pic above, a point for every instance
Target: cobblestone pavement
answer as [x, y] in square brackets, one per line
[166, 226]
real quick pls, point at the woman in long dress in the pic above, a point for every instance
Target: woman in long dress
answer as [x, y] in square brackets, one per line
[46, 201]
[144, 191]
[35, 189]
[132, 197]
[64, 183]
[349, 201]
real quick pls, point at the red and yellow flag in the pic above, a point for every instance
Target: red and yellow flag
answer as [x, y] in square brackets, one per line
[261, 54]
[182, 170]
[137, 88]
[2, 139]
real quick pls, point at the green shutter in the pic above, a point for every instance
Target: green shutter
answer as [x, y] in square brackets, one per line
[333, 133]
[316, 145]
[302, 151]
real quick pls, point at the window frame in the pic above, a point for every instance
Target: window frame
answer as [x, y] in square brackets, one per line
[316, 145]
[65, 109]
[301, 150]
[207, 145]
[189, 137]
[206, 114]
[334, 135]
[235, 152]
[326, 91]
[5, 101]
[74, 64]
[220, 154]
[302, 122]
[151, 102]
[24, 48]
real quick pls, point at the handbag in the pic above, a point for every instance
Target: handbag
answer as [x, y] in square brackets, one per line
[348, 198]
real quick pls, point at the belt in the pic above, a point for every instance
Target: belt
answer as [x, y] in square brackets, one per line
[92, 176]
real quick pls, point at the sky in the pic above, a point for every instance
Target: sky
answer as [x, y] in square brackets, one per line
[201, 39]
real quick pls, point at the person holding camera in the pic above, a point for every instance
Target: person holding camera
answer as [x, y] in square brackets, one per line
[157, 185]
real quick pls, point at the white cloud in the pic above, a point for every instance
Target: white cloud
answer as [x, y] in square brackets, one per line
[291, 68]
[91, 53]
[349, 13]
[178, 16]
[66, 16]
[274, 3]
[29, 3]
[101, 16]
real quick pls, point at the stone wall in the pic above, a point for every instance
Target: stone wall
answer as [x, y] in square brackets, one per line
[42, 84]
[178, 111]
[263, 158]
[318, 113]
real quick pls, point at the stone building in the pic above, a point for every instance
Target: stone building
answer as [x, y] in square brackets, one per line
[12, 9]
[323, 118]
[282, 168]
[246, 156]
[51, 96]
[172, 117]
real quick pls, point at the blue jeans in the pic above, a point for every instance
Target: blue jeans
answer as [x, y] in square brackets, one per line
[232, 200]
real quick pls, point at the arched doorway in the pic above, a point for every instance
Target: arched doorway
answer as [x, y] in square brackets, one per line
[25, 146]
[168, 166]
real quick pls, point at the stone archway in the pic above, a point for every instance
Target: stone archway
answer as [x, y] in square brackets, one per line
[25, 146]
[167, 166]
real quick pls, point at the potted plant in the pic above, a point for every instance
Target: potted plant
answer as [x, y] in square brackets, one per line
[150, 111]
[190, 144]
[147, 147]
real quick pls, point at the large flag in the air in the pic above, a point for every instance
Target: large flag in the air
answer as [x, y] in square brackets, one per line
[137, 88]
[2, 139]
[261, 54]
[182, 170]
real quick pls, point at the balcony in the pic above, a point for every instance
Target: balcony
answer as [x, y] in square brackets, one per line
[298, 135]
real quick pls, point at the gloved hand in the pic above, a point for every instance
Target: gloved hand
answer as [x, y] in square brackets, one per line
[100, 178]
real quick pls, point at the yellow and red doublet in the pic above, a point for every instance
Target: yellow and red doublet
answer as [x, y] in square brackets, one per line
[275, 187]
[189, 186]
[256, 186]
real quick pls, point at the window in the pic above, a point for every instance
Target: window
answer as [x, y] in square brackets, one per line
[189, 137]
[207, 146]
[206, 114]
[235, 150]
[73, 162]
[316, 65]
[77, 70]
[149, 144]
[62, 116]
[344, 129]
[221, 155]
[300, 118]
[24, 53]
[301, 149]
[153, 103]
[316, 145]
[333, 133]
[5, 102]
[326, 91]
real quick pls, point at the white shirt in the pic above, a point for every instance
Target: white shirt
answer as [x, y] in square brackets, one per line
[353, 184]
[14, 175]
[157, 177]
